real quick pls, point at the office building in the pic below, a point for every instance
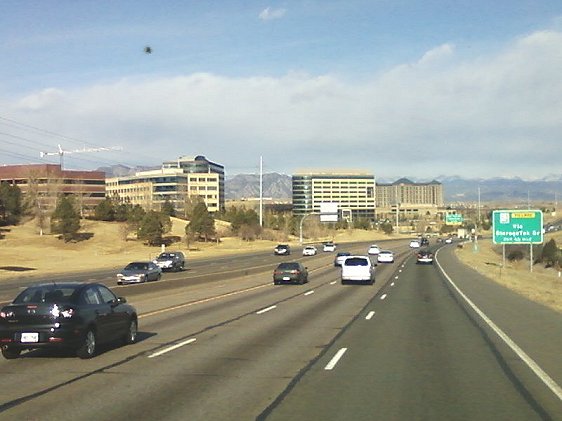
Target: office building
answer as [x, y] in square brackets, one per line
[352, 191]
[177, 181]
[49, 181]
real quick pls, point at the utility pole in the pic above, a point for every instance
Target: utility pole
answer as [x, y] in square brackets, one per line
[261, 191]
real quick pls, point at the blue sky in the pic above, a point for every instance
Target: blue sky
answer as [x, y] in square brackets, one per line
[400, 88]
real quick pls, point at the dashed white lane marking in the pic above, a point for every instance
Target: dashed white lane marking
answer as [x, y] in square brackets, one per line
[333, 283]
[392, 284]
[383, 296]
[370, 315]
[265, 310]
[171, 348]
[396, 277]
[399, 270]
[335, 360]
[309, 292]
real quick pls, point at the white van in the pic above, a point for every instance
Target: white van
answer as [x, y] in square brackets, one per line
[357, 269]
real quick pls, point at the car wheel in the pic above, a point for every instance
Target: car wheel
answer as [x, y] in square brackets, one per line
[88, 347]
[10, 353]
[159, 277]
[131, 335]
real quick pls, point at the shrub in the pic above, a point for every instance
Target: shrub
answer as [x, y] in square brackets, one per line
[515, 255]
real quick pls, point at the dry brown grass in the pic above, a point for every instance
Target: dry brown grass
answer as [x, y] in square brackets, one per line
[541, 285]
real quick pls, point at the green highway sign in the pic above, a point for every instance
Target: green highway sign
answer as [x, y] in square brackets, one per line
[517, 227]
[454, 219]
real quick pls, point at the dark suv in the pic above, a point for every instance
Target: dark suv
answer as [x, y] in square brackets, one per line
[171, 260]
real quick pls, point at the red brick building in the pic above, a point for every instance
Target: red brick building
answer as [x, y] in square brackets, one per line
[49, 181]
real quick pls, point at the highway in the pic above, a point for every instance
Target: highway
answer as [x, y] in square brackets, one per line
[221, 342]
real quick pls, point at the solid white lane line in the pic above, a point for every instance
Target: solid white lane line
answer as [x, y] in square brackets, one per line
[205, 300]
[539, 372]
[370, 315]
[335, 360]
[383, 296]
[171, 348]
[265, 310]
[309, 292]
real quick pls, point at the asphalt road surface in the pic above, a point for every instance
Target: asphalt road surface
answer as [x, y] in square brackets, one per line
[221, 342]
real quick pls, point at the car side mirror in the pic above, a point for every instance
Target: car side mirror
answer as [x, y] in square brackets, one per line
[120, 300]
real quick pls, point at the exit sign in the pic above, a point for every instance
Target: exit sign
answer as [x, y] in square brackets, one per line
[517, 227]
[454, 219]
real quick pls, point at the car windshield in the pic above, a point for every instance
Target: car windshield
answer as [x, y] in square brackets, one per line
[46, 294]
[137, 266]
[167, 256]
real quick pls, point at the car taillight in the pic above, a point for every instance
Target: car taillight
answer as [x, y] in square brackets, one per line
[6, 314]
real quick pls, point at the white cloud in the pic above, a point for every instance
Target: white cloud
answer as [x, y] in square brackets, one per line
[269, 14]
[437, 54]
[491, 116]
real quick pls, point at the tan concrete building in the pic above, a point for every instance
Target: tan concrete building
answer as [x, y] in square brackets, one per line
[352, 191]
[408, 198]
[177, 181]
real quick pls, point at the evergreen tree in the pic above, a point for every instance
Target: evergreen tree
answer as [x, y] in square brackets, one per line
[135, 216]
[10, 204]
[105, 210]
[550, 253]
[122, 211]
[151, 228]
[168, 208]
[65, 219]
[202, 224]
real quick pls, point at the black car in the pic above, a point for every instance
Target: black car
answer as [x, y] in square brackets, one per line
[170, 260]
[282, 250]
[290, 273]
[424, 257]
[71, 315]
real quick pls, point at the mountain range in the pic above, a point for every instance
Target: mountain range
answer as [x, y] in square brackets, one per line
[456, 189]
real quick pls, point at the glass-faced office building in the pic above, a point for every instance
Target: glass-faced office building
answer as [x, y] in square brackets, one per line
[353, 192]
[177, 182]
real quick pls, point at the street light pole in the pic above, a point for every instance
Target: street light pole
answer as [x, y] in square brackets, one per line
[301, 224]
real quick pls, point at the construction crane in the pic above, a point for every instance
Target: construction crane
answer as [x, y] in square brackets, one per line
[61, 152]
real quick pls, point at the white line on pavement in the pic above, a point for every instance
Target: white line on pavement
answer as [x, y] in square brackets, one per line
[265, 310]
[370, 315]
[383, 296]
[333, 283]
[171, 348]
[392, 284]
[204, 300]
[539, 372]
[335, 360]
[309, 292]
